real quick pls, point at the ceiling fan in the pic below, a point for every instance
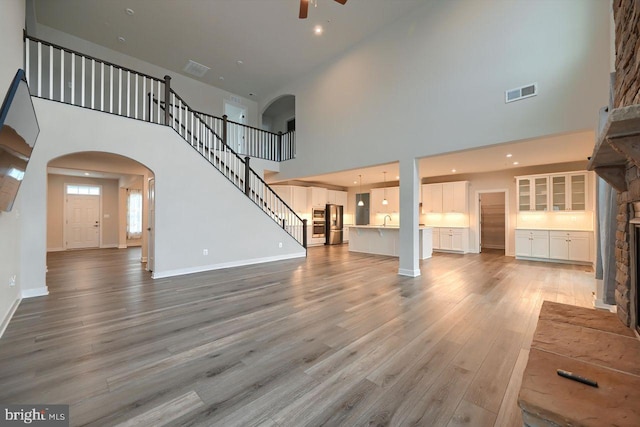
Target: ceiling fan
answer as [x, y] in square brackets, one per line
[304, 7]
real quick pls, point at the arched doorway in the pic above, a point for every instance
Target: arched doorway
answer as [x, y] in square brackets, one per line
[97, 200]
[280, 115]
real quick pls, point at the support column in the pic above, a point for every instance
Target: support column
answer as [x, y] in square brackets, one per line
[409, 218]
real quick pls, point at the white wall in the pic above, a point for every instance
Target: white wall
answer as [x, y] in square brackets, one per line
[190, 216]
[197, 95]
[12, 16]
[434, 82]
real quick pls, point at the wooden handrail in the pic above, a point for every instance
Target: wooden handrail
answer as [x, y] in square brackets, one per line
[46, 43]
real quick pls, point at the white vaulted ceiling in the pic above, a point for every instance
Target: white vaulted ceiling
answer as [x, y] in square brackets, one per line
[275, 47]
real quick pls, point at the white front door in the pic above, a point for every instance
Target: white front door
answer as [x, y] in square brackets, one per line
[151, 257]
[83, 221]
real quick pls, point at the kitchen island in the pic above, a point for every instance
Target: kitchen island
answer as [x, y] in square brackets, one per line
[385, 240]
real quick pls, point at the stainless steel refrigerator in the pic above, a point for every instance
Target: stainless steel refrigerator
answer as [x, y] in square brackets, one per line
[333, 225]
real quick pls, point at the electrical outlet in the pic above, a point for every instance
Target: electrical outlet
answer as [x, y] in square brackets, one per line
[280, 245]
[12, 280]
[205, 252]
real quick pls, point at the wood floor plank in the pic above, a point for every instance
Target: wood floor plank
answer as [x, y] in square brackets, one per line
[166, 413]
[336, 338]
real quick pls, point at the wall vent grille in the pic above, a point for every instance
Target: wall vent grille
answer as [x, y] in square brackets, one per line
[196, 69]
[521, 92]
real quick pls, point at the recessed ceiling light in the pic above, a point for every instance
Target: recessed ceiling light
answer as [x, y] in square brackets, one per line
[239, 62]
[397, 177]
[87, 174]
[220, 78]
[509, 155]
[355, 182]
[129, 11]
[453, 170]
[516, 163]
[122, 39]
[318, 30]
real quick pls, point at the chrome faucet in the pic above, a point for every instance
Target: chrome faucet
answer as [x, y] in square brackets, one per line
[385, 220]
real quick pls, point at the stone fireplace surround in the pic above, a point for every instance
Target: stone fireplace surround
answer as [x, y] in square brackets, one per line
[616, 159]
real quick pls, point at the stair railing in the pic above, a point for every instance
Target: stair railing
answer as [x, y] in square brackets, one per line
[251, 141]
[67, 76]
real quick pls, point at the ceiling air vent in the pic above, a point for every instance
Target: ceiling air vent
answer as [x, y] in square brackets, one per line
[521, 92]
[196, 69]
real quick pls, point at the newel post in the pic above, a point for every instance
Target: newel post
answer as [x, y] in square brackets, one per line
[247, 173]
[280, 146]
[304, 233]
[167, 98]
[224, 129]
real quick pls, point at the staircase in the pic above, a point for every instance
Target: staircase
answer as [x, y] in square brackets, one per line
[106, 87]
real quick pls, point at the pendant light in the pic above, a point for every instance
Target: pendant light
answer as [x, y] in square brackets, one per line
[384, 200]
[360, 202]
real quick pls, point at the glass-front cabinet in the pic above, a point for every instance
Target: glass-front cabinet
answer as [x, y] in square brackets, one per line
[524, 194]
[556, 192]
[578, 192]
[541, 193]
[533, 193]
[559, 193]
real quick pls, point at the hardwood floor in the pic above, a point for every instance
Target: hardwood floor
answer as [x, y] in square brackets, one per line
[335, 339]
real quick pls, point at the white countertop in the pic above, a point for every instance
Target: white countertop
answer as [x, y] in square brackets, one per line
[382, 227]
[553, 229]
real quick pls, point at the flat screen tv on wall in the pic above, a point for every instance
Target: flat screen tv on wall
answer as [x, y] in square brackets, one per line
[18, 133]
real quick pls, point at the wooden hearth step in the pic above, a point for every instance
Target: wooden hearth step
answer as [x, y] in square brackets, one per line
[590, 343]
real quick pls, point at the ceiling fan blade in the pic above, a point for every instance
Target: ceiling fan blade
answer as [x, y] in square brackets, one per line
[341, 1]
[304, 9]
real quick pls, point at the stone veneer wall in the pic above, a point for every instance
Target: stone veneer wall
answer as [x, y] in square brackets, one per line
[626, 14]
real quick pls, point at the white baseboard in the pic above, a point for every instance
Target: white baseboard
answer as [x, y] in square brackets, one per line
[122, 246]
[598, 303]
[7, 318]
[409, 272]
[55, 249]
[143, 259]
[32, 293]
[179, 272]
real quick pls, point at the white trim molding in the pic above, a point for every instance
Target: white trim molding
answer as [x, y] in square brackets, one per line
[408, 272]
[240, 263]
[7, 318]
[37, 292]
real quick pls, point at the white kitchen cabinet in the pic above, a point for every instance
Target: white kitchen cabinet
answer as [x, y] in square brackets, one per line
[284, 192]
[392, 195]
[318, 196]
[375, 201]
[578, 192]
[570, 245]
[569, 192]
[432, 198]
[451, 239]
[299, 194]
[294, 196]
[455, 197]
[448, 197]
[533, 193]
[436, 238]
[532, 243]
[554, 192]
[341, 199]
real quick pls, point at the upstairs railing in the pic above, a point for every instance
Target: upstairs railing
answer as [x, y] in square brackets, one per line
[67, 76]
